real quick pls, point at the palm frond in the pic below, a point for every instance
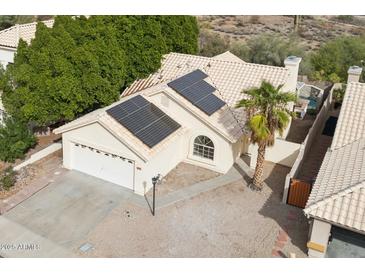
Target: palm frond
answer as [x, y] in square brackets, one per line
[259, 127]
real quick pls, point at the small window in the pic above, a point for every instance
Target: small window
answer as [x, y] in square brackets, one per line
[204, 147]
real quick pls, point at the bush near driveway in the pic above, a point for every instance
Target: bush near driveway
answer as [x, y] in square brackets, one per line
[15, 140]
[7, 178]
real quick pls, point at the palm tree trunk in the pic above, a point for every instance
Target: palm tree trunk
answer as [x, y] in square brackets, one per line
[296, 22]
[259, 170]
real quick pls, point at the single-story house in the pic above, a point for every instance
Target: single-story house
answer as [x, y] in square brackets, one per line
[336, 205]
[183, 113]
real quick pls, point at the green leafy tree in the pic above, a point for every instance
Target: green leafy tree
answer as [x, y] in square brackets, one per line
[333, 59]
[267, 106]
[82, 64]
[7, 21]
[180, 33]
[58, 78]
[269, 49]
[15, 140]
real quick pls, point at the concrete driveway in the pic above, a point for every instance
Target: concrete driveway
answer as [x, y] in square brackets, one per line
[68, 209]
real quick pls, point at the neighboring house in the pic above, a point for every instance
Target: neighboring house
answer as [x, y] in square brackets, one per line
[336, 205]
[9, 39]
[183, 113]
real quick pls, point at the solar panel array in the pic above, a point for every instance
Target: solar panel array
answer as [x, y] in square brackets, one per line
[142, 118]
[200, 93]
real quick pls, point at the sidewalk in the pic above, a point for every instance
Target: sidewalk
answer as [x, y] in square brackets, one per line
[238, 171]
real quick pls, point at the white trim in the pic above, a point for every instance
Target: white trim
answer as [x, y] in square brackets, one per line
[196, 158]
[106, 127]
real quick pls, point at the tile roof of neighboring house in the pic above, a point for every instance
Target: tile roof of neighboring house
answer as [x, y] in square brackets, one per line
[10, 37]
[338, 194]
[229, 77]
[228, 56]
[351, 122]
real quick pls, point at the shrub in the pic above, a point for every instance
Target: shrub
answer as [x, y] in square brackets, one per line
[339, 93]
[241, 50]
[345, 18]
[7, 178]
[333, 59]
[212, 44]
[271, 49]
[15, 140]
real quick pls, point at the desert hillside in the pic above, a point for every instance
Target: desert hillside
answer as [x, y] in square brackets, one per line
[313, 30]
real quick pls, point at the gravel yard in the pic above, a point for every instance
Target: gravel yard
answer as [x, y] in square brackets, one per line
[33, 172]
[183, 175]
[230, 221]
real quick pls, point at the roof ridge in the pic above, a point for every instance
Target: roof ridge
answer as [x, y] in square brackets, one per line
[24, 25]
[341, 193]
[225, 61]
[348, 144]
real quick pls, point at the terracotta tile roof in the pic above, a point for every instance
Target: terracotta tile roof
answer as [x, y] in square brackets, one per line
[338, 194]
[11, 36]
[228, 56]
[229, 77]
[119, 131]
[351, 122]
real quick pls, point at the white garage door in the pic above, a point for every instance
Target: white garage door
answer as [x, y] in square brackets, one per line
[106, 166]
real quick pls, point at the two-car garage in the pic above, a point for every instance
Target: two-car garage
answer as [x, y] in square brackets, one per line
[103, 165]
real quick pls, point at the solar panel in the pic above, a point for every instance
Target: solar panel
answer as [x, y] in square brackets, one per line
[142, 118]
[187, 80]
[210, 104]
[200, 93]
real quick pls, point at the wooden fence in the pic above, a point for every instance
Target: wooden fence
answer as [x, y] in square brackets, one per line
[299, 191]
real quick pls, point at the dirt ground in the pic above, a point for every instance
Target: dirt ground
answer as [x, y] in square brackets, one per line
[230, 221]
[300, 128]
[314, 30]
[29, 174]
[183, 175]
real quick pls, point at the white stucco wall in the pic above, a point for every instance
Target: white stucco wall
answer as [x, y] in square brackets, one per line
[174, 151]
[225, 153]
[95, 135]
[6, 56]
[283, 152]
[320, 232]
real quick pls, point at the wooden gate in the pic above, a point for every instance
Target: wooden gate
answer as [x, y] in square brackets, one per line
[299, 192]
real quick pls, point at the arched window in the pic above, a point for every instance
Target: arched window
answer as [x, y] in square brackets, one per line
[203, 147]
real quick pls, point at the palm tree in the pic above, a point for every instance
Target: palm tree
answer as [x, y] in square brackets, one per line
[268, 113]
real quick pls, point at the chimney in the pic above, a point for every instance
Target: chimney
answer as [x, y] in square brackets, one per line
[354, 74]
[292, 63]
